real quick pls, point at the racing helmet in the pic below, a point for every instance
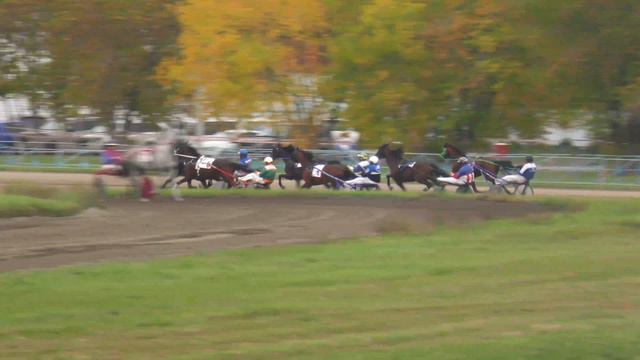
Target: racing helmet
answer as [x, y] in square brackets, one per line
[373, 159]
[268, 160]
[463, 160]
[529, 159]
[243, 152]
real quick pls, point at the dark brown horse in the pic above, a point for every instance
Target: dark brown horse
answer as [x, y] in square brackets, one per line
[488, 168]
[220, 170]
[292, 170]
[423, 172]
[330, 174]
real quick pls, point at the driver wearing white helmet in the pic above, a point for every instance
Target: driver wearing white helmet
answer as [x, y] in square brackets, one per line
[264, 177]
[373, 170]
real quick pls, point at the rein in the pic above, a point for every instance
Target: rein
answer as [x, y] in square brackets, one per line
[485, 172]
[336, 178]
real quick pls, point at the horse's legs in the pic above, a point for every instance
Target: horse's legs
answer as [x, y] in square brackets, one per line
[182, 181]
[389, 182]
[167, 182]
[280, 180]
[474, 187]
[297, 183]
[426, 183]
[400, 184]
[173, 173]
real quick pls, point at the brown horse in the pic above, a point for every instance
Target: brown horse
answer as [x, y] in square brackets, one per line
[329, 174]
[423, 172]
[488, 168]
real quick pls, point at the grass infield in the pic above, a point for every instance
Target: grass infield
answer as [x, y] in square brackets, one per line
[26, 199]
[554, 286]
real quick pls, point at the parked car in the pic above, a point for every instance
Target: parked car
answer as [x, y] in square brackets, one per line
[35, 133]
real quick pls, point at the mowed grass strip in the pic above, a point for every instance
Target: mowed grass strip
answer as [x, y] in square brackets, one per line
[563, 286]
[25, 199]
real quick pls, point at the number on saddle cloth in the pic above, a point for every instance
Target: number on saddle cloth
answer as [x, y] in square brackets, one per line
[317, 171]
[204, 163]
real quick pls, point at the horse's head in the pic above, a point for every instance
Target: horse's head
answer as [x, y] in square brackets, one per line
[183, 147]
[391, 150]
[301, 156]
[282, 152]
[451, 152]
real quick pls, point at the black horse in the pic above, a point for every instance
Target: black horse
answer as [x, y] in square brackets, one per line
[401, 171]
[293, 170]
[185, 154]
[219, 170]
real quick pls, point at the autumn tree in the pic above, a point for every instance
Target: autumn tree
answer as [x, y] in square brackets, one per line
[242, 56]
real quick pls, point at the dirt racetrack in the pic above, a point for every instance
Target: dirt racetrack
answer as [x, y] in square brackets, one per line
[126, 229]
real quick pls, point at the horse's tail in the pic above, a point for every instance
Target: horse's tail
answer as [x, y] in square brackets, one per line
[438, 171]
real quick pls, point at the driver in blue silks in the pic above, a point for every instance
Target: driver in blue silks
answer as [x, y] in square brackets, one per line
[245, 159]
[464, 176]
[363, 164]
[373, 170]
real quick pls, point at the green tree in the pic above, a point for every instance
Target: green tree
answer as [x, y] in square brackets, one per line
[97, 54]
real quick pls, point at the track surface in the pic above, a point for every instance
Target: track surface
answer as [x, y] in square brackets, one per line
[126, 229]
[64, 179]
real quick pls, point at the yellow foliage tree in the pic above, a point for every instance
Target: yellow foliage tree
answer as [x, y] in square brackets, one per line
[238, 56]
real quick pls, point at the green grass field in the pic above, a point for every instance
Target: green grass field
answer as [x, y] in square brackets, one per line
[563, 286]
[27, 199]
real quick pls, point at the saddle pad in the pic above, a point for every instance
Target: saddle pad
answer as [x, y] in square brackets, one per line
[407, 165]
[317, 171]
[204, 163]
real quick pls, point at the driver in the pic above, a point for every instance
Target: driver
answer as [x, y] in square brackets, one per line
[464, 175]
[363, 164]
[373, 170]
[111, 160]
[526, 173]
[264, 177]
[245, 159]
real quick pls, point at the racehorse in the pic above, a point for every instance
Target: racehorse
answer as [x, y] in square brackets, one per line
[488, 168]
[216, 169]
[189, 156]
[292, 169]
[330, 174]
[423, 172]
[139, 160]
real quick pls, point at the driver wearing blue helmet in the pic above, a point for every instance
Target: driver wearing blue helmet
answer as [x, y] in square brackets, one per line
[245, 159]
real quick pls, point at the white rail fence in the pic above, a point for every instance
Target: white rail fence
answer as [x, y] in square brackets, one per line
[553, 169]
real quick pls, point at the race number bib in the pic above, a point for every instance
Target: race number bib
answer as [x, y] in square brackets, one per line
[205, 163]
[317, 171]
